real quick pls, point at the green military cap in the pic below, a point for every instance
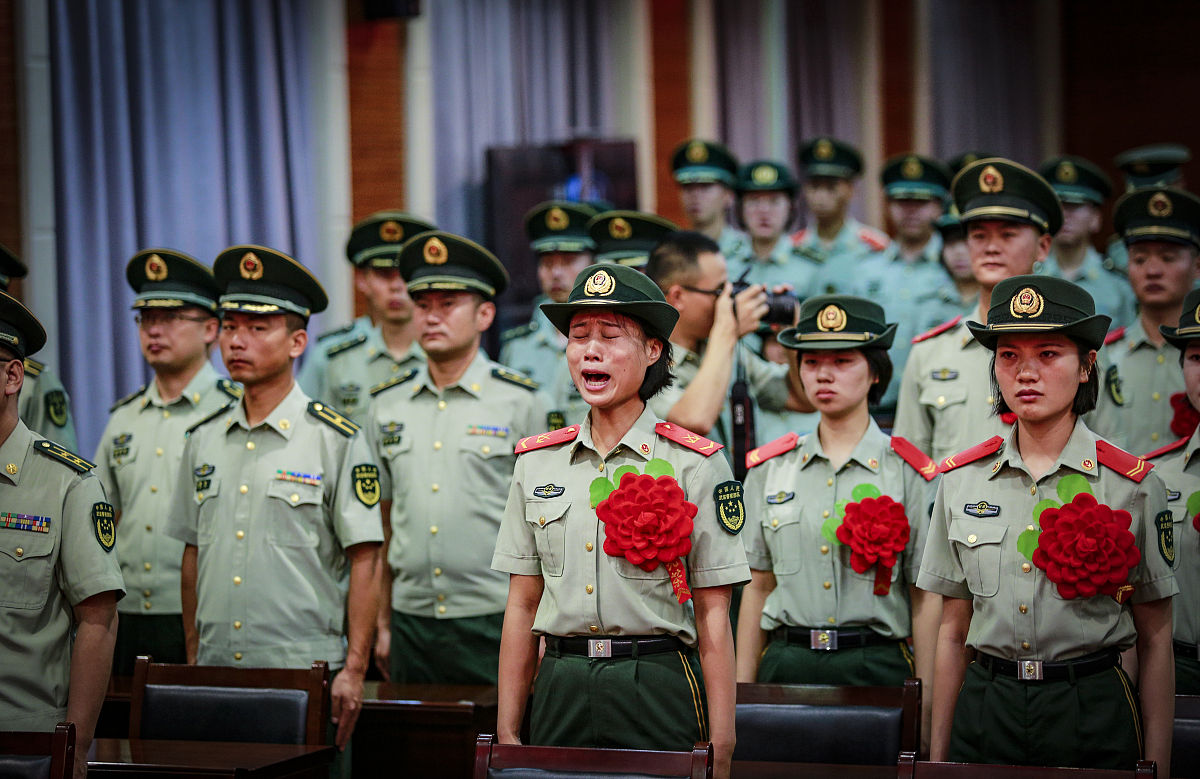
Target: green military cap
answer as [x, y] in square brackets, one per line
[965, 158]
[1158, 214]
[11, 267]
[258, 280]
[914, 177]
[1042, 304]
[766, 176]
[830, 322]
[1076, 180]
[376, 240]
[826, 157]
[697, 161]
[559, 226]
[439, 260]
[1156, 165]
[950, 226]
[1189, 322]
[20, 331]
[165, 278]
[618, 288]
[996, 188]
[627, 237]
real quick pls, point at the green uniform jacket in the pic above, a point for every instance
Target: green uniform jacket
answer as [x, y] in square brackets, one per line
[1179, 470]
[1149, 376]
[534, 349]
[840, 259]
[312, 376]
[1108, 287]
[45, 407]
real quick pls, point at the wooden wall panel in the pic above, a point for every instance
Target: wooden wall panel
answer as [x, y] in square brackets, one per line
[670, 58]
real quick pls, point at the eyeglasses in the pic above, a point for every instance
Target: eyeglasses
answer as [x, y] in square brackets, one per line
[716, 293]
[150, 319]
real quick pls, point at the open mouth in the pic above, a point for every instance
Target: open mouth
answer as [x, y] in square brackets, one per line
[594, 381]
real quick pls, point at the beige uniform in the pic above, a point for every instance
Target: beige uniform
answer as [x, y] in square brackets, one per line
[355, 365]
[1149, 376]
[44, 405]
[1179, 470]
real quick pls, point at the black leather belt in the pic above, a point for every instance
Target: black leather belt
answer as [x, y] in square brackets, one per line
[829, 639]
[1036, 670]
[607, 646]
[1184, 649]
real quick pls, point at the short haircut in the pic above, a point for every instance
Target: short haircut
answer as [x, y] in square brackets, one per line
[678, 255]
[1085, 397]
[8, 355]
[658, 376]
[294, 322]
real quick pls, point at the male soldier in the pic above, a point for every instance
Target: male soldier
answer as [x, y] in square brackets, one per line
[443, 436]
[140, 449]
[347, 362]
[706, 172]
[61, 579]
[1161, 228]
[1083, 188]
[1156, 165]
[276, 499]
[836, 240]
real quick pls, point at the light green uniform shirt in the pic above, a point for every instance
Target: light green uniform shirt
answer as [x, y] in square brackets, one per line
[786, 264]
[550, 530]
[138, 463]
[1180, 472]
[790, 496]
[732, 241]
[1108, 287]
[840, 259]
[536, 349]
[45, 407]
[312, 374]
[51, 559]
[354, 366]
[272, 510]
[1150, 375]
[446, 462]
[1018, 612]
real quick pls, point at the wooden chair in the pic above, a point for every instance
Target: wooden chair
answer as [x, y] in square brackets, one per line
[518, 761]
[911, 768]
[1185, 745]
[801, 723]
[38, 755]
[213, 703]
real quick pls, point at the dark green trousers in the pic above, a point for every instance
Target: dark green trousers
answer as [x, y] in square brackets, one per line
[445, 651]
[158, 635]
[1187, 675]
[1093, 722]
[654, 701]
[886, 665]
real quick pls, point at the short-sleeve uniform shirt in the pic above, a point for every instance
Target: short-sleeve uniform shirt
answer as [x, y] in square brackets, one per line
[312, 376]
[1179, 469]
[1149, 376]
[44, 405]
[840, 259]
[535, 349]
[1108, 286]
[356, 365]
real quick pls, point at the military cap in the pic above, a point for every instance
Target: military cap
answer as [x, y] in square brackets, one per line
[826, 157]
[914, 177]
[766, 176]
[965, 158]
[258, 280]
[559, 226]
[165, 278]
[1158, 214]
[697, 161]
[1076, 180]
[627, 237]
[618, 288]
[376, 240]
[1189, 322]
[11, 267]
[439, 260]
[1156, 165]
[1042, 304]
[996, 188]
[950, 226]
[20, 331]
[832, 322]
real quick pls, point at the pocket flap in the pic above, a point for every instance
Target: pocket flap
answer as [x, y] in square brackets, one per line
[973, 532]
[543, 512]
[940, 395]
[294, 493]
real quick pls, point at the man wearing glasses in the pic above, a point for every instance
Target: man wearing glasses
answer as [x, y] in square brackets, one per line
[140, 450]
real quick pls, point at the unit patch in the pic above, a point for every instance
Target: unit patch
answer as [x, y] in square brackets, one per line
[121, 445]
[56, 407]
[347, 395]
[366, 484]
[981, 509]
[104, 519]
[548, 491]
[731, 511]
[1166, 537]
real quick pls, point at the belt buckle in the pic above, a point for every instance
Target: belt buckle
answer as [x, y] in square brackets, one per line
[599, 647]
[1029, 670]
[824, 640]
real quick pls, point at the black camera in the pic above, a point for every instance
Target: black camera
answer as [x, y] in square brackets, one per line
[781, 307]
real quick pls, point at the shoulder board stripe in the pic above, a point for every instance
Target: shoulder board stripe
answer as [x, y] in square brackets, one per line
[345, 346]
[128, 398]
[512, 377]
[873, 238]
[230, 388]
[52, 449]
[1171, 447]
[943, 327]
[210, 417]
[799, 236]
[395, 381]
[542, 440]
[33, 367]
[1114, 336]
[1117, 459]
[332, 418]
[685, 437]
[977, 452]
[335, 333]
[772, 449]
[921, 462]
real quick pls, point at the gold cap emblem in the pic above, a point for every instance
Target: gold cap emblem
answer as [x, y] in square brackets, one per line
[620, 229]
[599, 285]
[1026, 304]
[696, 152]
[1066, 172]
[765, 175]
[831, 319]
[1160, 206]
[990, 180]
[912, 169]
[435, 252]
[1196, 315]
[557, 219]
[970, 157]
[823, 150]
[156, 269]
[391, 231]
[251, 267]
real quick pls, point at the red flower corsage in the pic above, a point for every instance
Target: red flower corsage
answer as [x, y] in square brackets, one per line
[1086, 548]
[876, 530]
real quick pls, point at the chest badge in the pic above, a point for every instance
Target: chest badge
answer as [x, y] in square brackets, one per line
[945, 374]
[548, 491]
[981, 509]
[389, 433]
[780, 497]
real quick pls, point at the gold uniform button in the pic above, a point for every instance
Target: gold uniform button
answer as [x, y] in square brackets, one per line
[199, 496]
[437, 571]
[1030, 527]
[972, 538]
[250, 445]
[588, 546]
[475, 386]
[20, 551]
[1025, 645]
[827, 585]
[1026, 567]
[434, 487]
[159, 451]
[146, 605]
[941, 400]
[541, 520]
[237, 655]
[589, 589]
[594, 628]
[1155, 396]
[1033, 489]
[485, 449]
[1161, 359]
[825, 513]
[1023, 609]
[244, 489]
[146, 566]
[433, 530]
[441, 597]
[601, 468]
[441, 609]
[240, 534]
[153, 488]
[395, 368]
[166, 414]
[824, 549]
[441, 405]
[1154, 436]
[145, 593]
[195, 397]
[237, 624]
[437, 445]
[295, 498]
[829, 482]
[774, 523]
[237, 580]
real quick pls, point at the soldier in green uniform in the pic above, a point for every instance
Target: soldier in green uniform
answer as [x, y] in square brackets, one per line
[142, 444]
[62, 582]
[276, 499]
[629, 661]
[1156, 165]
[959, 294]
[443, 436]
[1052, 550]
[345, 363]
[706, 173]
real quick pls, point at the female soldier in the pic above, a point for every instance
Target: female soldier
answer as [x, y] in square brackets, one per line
[612, 524]
[1052, 549]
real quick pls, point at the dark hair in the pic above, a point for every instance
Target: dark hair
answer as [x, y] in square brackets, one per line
[1085, 397]
[678, 254]
[294, 321]
[880, 366]
[8, 355]
[793, 209]
[658, 376]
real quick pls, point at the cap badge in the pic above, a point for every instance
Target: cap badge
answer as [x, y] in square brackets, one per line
[1026, 304]
[556, 219]
[831, 319]
[990, 180]
[1196, 315]
[620, 229]
[1160, 205]
[823, 150]
[435, 252]
[912, 169]
[765, 175]
[696, 152]
[599, 285]
[251, 267]
[1066, 172]
[391, 231]
[156, 269]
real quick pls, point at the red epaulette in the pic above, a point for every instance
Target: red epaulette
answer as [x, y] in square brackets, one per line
[799, 235]
[1128, 465]
[1114, 336]
[943, 327]
[542, 440]
[876, 240]
[693, 441]
[1171, 447]
[777, 447]
[976, 452]
[921, 462]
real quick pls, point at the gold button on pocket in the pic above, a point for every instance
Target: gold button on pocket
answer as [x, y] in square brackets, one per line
[237, 580]
[827, 585]
[437, 445]
[1026, 567]
[1155, 396]
[824, 549]
[433, 530]
[153, 488]
[485, 449]
[1023, 608]
[146, 566]
[434, 487]
[250, 445]
[237, 655]
[244, 489]
[240, 534]
[589, 589]
[441, 609]
[146, 593]
[159, 451]
[588, 546]
[542, 521]
[437, 571]
[146, 605]
[1025, 645]
[775, 522]
[20, 551]
[237, 624]
[829, 482]
[825, 513]
[972, 538]
[594, 628]
[295, 498]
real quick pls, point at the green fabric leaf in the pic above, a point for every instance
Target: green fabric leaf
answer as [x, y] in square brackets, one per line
[1027, 542]
[829, 528]
[1071, 485]
[839, 508]
[1193, 504]
[618, 473]
[1042, 506]
[865, 491]
[600, 489]
[659, 467]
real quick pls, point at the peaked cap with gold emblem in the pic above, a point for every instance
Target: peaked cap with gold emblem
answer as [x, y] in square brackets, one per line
[1000, 189]
[766, 176]
[826, 157]
[441, 261]
[1158, 214]
[20, 331]
[916, 177]
[11, 267]
[697, 161]
[627, 237]
[835, 322]
[165, 278]
[559, 226]
[965, 158]
[1076, 180]
[1189, 322]
[259, 280]
[1156, 165]
[616, 288]
[375, 241]
[1042, 304]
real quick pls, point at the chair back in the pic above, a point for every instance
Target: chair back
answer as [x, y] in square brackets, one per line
[911, 768]
[38, 755]
[519, 761]
[1185, 746]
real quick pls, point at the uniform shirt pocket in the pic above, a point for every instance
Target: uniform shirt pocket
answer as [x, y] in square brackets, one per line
[26, 567]
[978, 544]
[122, 454]
[546, 520]
[205, 495]
[941, 396]
[782, 533]
[295, 511]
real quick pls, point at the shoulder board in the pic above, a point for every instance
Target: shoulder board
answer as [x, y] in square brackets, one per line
[875, 239]
[542, 440]
[230, 388]
[33, 367]
[51, 449]
[209, 418]
[685, 437]
[332, 418]
[137, 393]
[1128, 465]
[512, 377]
[518, 332]
[346, 328]
[976, 452]
[395, 381]
[1114, 335]
[777, 447]
[909, 453]
[799, 236]
[1171, 447]
[346, 345]
[943, 327]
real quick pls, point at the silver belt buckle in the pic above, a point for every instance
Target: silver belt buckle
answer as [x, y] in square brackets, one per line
[825, 640]
[1029, 670]
[599, 647]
